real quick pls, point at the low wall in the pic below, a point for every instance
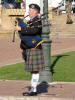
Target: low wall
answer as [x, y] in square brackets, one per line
[7, 18]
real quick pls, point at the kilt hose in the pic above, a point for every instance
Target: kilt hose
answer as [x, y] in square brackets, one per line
[35, 60]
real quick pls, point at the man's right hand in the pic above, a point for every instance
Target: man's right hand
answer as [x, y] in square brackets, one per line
[17, 28]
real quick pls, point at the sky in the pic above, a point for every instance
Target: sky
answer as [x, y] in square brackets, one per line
[54, 3]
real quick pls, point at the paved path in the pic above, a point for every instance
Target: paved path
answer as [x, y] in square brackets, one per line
[62, 45]
[12, 90]
[10, 52]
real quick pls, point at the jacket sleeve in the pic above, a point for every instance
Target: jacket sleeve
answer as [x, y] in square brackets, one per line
[32, 30]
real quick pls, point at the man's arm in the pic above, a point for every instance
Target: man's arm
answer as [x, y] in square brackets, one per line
[32, 30]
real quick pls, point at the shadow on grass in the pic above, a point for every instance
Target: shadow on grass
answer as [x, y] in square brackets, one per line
[55, 61]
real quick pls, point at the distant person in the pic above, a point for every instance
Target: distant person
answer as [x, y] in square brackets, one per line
[18, 3]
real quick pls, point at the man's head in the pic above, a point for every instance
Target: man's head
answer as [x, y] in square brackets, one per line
[34, 9]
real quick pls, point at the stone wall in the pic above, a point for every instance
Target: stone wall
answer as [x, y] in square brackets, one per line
[7, 19]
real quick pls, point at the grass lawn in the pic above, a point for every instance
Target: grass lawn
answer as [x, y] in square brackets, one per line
[62, 67]
[14, 72]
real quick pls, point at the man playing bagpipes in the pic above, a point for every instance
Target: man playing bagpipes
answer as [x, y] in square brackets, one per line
[31, 40]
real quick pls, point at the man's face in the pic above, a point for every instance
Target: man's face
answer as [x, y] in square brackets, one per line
[32, 12]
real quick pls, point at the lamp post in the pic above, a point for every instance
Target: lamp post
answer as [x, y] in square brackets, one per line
[46, 75]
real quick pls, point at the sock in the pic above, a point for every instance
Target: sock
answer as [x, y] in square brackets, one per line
[34, 81]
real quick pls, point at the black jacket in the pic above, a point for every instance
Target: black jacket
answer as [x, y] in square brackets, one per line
[35, 28]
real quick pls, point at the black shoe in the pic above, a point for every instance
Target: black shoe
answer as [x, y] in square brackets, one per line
[29, 93]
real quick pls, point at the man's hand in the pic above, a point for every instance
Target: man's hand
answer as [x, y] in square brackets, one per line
[17, 28]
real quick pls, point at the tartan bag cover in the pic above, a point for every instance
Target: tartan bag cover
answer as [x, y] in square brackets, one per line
[35, 60]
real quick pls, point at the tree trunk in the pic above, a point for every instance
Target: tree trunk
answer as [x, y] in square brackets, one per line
[68, 11]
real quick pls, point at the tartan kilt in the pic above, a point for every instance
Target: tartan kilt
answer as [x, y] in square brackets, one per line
[35, 60]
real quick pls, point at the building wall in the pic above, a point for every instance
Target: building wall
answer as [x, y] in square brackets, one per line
[8, 17]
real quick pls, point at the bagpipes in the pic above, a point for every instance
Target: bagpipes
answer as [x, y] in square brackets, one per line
[30, 41]
[21, 23]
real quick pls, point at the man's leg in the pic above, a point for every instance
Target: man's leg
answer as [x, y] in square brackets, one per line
[34, 80]
[34, 83]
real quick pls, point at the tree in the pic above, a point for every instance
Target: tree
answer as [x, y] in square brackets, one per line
[68, 11]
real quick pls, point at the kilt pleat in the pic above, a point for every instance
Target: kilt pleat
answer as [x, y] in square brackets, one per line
[35, 60]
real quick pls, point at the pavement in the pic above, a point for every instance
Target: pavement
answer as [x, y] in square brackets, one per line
[54, 91]
[10, 53]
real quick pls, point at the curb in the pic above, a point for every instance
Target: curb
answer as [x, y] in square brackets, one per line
[32, 98]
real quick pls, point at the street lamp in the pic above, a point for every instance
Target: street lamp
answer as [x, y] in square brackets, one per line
[46, 75]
